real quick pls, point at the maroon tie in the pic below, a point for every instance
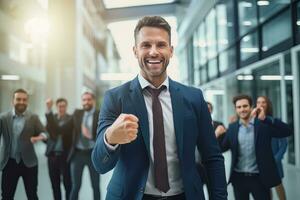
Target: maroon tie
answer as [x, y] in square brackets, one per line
[159, 147]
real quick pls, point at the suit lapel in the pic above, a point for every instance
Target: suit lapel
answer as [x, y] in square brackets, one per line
[139, 106]
[9, 124]
[256, 124]
[178, 110]
[27, 116]
[236, 134]
[95, 122]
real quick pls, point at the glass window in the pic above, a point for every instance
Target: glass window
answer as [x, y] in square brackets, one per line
[277, 30]
[203, 74]
[289, 105]
[196, 50]
[247, 15]
[211, 34]
[268, 8]
[212, 68]
[227, 60]
[202, 44]
[298, 17]
[225, 24]
[197, 77]
[249, 46]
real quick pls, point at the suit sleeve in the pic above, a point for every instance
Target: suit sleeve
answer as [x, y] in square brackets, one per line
[1, 128]
[282, 146]
[54, 129]
[104, 159]
[277, 127]
[39, 128]
[212, 158]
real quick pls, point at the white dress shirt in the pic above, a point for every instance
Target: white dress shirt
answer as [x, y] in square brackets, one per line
[174, 175]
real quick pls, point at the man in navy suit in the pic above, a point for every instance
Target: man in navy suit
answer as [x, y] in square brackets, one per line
[253, 168]
[149, 128]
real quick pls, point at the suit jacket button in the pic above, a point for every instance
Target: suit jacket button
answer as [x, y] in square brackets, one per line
[142, 190]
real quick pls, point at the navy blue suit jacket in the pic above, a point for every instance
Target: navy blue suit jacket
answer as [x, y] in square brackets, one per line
[263, 131]
[130, 162]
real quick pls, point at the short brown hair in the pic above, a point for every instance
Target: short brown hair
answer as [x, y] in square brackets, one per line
[20, 90]
[61, 100]
[89, 93]
[152, 21]
[210, 104]
[242, 96]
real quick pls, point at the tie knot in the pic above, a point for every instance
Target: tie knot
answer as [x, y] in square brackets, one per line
[155, 92]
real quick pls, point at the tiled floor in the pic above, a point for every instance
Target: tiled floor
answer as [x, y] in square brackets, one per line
[291, 181]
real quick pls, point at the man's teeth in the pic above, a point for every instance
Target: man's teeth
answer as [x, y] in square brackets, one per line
[153, 62]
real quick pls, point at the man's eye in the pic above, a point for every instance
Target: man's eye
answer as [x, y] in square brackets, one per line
[145, 45]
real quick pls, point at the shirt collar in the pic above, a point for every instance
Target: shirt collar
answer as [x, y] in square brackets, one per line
[90, 112]
[144, 83]
[14, 114]
[251, 122]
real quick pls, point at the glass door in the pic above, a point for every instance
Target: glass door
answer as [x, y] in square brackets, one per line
[295, 112]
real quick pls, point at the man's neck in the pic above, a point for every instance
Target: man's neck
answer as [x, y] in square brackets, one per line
[155, 81]
[246, 121]
[61, 115]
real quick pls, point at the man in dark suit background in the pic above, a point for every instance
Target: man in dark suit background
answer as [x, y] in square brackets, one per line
[58, 147]
[150, 127]
[83, 125]
[214, 122]
[19, 130]
[253, 168]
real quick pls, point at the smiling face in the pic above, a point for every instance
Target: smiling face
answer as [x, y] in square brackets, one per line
[61, 108]
[261, 102]
[20, 102]
[153, 51]
[88, 102]
[243, 109]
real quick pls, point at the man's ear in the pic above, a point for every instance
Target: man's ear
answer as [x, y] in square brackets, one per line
[134, 51]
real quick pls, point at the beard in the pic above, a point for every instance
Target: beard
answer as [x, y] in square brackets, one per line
[20, 108]
[87, 107]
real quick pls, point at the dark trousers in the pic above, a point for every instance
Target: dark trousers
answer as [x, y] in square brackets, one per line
[78, 161]
[10, 177]
[59, 171]
[244, 185]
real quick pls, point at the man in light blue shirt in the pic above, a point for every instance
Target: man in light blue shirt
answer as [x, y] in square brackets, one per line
[19, 130]
[253, 168]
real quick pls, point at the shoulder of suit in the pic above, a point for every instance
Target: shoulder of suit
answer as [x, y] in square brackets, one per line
[184, 87]
[4, 114]
[120, 88]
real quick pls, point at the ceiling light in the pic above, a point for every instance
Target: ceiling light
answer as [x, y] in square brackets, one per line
[263, 3]
[10, 77]
[244, 77]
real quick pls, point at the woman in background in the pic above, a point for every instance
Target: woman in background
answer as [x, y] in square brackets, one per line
[279, 145]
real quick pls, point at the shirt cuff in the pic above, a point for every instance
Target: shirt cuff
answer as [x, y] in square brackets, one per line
[109, 146]
[44, 135]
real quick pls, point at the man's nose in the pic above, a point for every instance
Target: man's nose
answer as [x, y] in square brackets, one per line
[153, 50]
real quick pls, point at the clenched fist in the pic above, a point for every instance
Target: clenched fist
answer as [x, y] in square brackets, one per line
[124, 130]
[49, 104]
[220, 130]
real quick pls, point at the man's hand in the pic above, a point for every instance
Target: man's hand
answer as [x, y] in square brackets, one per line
[49, 104]
[124, 130]
[35, 139]
[258, 112]
[220, 130]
